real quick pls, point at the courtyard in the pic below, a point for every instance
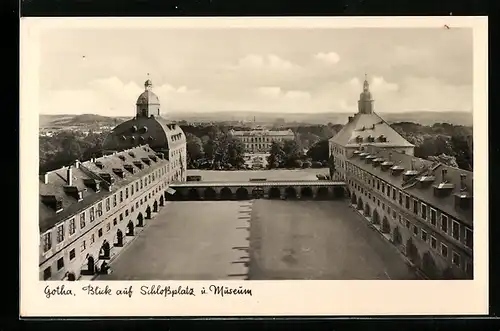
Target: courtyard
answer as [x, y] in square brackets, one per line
[258, 240]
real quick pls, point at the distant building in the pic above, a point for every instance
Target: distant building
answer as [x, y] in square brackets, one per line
[425, 209]
[89, 210]
[259, 140]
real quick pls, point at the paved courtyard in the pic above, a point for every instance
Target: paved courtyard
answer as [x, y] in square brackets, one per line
[260, 239]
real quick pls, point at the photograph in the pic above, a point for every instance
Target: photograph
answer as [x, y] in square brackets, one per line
[256, 154]
[249, 157]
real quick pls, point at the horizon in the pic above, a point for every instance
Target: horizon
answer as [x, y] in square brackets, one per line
[202, 70]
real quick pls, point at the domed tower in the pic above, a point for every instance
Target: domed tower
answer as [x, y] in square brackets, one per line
[365, 103]
[148, 102]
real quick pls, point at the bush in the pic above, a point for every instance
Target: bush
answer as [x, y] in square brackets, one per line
[306, 164]
[316, 164]
[298, 163]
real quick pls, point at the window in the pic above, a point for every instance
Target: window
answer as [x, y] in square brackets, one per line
[107, 205]
[60, 233]
[92, 215]
[137, 186]
[126, 192]
[394, 214]
[141, 184]
[455, 259]
[47, 273]
[378, 184]
[407, 202]
[121, 196]
[82, 220]
[415, 206]
[433, 217]
[83, 246]
[455, 230]
[114, 200]
[393, 193]
[72, 254]
[137, 204]
[72, 226]
[114, 221]
[468, 237]
[383, 206]
[99, 233]
[407, 223]
[60, 263]
[424, 211]
[47, 241]
[444, 250]
[132, 209]
[423, 235]
[415, 230]
[400, 219]
[433, 242]
[121, 217]
[132, 189]
[378, 202]
[126, 212]
[99, 209]
[400, 198]
[108, 227]
[388, 191]
[444, 223]
[383, 188]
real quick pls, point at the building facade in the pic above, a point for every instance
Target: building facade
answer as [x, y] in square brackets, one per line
[89, 210]
[259, 140]
[425, 209]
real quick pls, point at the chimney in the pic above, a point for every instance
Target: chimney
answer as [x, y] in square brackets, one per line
[390, 157]
[69, 176]
[46, 178]
[350, 118]
[462, 182]
[443, 175]
[77, 164]
[412, 164]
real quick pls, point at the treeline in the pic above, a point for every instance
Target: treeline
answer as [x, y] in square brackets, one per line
[64, 147]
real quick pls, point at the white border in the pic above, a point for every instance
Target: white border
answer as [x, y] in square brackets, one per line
[269, 297]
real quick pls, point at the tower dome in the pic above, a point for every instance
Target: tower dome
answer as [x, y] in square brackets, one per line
[148, 102]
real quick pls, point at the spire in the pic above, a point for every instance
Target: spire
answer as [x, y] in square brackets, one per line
[148, 84]
[365, 103]
[366, 86]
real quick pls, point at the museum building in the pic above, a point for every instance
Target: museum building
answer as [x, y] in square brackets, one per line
[89, 210]
[259, 140]
[424, 208]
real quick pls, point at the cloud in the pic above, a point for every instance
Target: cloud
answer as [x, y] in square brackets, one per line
[298, 95]
[269, 91]
[269, 61]
[329, 58]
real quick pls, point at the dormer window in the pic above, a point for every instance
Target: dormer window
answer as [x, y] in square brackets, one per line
[363, 155]
[409, 174]
[370, 139]
[93, 184]
[425, 181]
[356, 153]
[150, 138]
[107, 177]
[359, 139]
[445, 187]
[141, 139]
[382, 138]
[124, 138]
[133, 128]
[386, 165]
[119, 172]
[370, 158]
[144, 129]
[99, 164]
[463, 198]
[130, 168]
[74, 192]
[53, 202]
[139, 164]
[397, 170]
[376, 162]
[122, 157]
[153, 157]
[131, 154]
[146, 160]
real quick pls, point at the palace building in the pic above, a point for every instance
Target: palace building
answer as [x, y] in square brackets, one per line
[424, 208]
[259, 140]
[89, 210]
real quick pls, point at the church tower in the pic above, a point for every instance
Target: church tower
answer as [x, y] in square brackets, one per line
[148, 103]
[365, 103]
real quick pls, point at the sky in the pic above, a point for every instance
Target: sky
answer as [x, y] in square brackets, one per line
[102, 71]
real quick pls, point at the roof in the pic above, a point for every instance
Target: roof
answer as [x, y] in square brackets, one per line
[155, 131]
[365, 126]
[424, 168]
[148, 98]
[263, 133]
[57, 180]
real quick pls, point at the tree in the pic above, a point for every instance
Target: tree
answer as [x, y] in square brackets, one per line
[276, 156]
[292, 152]
[194, 148]
[319, 151]
[462, 146]
[331, 164]
[444, 159]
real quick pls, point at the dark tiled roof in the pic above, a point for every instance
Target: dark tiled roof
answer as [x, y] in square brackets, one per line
[424, 168]
[367, 126]
[154, 131]
[57, 180]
